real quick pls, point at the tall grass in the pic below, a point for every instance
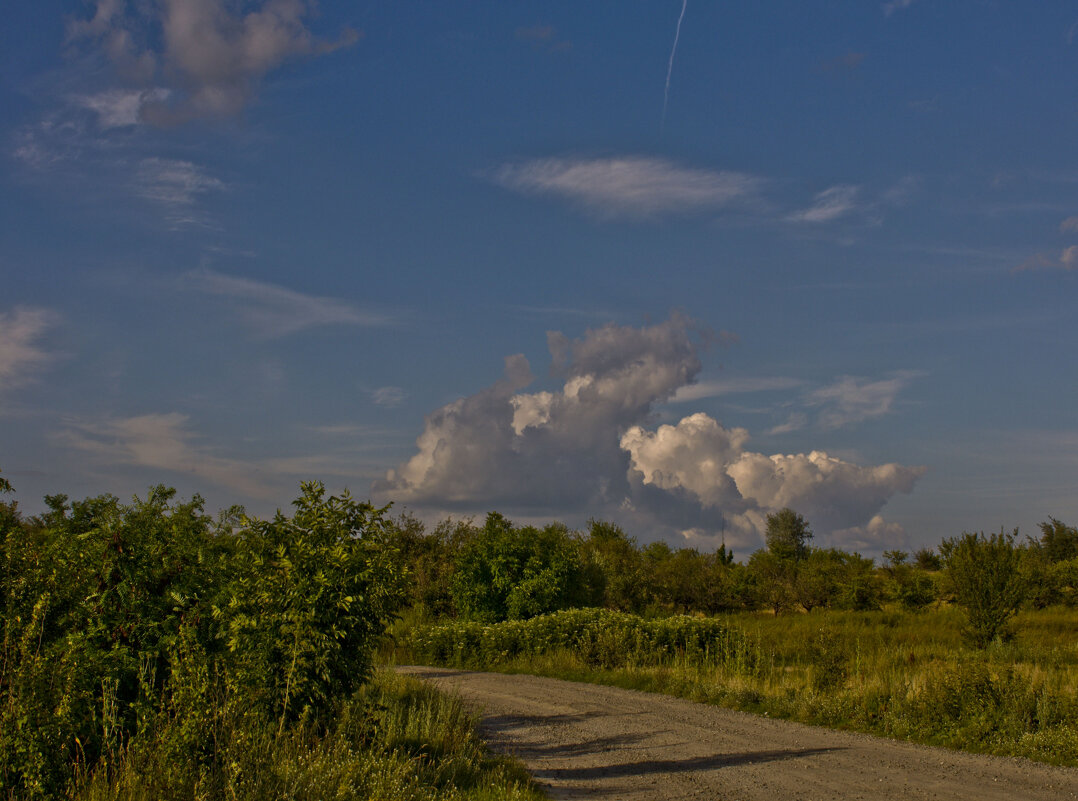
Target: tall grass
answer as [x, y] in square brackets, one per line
[397, 739]
[896, 673]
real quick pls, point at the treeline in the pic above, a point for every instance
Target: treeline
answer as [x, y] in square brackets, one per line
[500, 571]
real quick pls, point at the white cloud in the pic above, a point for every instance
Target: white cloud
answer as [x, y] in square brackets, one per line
[21, 353]
[212, 55]
[632, 186]
[1070, 224]
[852, 400]
[710, 463]
[586, 449]
[271, 311]
[829, 205]
[556, 450]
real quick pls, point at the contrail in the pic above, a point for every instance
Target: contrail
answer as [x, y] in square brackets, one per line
[670, 66]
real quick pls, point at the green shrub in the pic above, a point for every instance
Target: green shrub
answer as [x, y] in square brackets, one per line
[985, 573]
[144, 628]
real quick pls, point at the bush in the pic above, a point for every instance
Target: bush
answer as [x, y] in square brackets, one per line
[985, 573]
[507, 572]
[144, 627]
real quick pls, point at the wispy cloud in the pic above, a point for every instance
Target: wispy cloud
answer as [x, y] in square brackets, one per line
[176, 185]
[272, 311]
[388, 396]
[166, 442]
[628, 186]
[852, 400]
[21, 352]
[1066, 260]
[543, 37]
[733, 386]
[160, 442]
[209, 55]
[118, 108]
[892, 6]
[828, 205]
[845, 63]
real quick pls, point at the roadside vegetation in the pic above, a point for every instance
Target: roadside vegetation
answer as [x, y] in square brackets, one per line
[148, 651]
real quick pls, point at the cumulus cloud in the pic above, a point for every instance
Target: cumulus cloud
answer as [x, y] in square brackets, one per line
[828, 205]
[710, 463]
[21, 352]
[588, 448]
[209, 54]
[1069, 225]
[549, 450]
[628, 186]
[271, 311]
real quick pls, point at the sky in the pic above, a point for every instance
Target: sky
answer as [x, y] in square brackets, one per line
[670, 264]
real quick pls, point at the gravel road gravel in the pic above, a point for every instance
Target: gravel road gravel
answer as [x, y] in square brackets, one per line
[588, 741]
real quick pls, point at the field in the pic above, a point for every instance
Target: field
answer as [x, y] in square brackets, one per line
[896, 673]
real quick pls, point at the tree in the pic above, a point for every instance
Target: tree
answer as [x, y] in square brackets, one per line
[514, 573]
[1058, 542]
[787, 535]
[619, 564]
[985, 573]
[927, 559]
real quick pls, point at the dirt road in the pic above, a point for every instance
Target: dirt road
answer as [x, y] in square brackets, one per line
[586, 741]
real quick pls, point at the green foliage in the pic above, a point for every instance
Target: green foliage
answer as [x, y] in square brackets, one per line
[514, 573]
[987, 581]
[787, 535]
[1059, 543]
[927, 559]
[147, 628]
[618, 562]
[307, 599]
[916, 590]
[599, 636]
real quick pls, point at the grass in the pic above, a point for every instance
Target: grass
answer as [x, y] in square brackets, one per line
[398, 739]
[894, 673]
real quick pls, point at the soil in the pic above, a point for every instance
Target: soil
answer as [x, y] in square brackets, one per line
[589, 741]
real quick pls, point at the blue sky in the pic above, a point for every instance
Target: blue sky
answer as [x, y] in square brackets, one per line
[484, 256]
